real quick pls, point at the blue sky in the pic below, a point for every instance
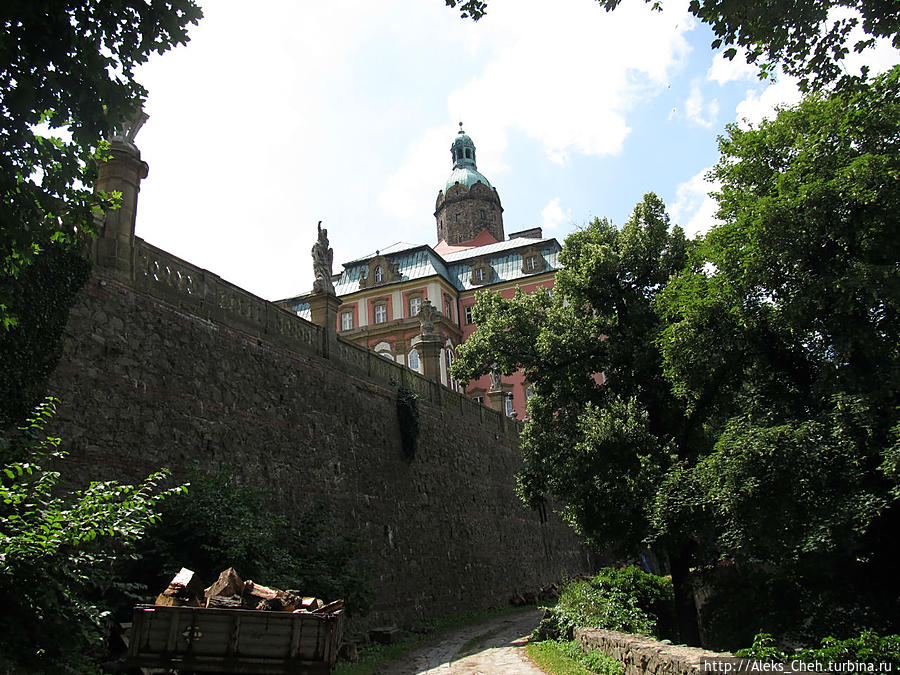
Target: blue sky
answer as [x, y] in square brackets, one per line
[273, 119]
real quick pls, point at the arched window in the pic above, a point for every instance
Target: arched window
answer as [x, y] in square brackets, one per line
[379, 274]
[414, 363]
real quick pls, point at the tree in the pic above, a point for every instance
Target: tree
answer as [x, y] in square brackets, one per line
[797, 296]
[751, 408]
[807, 38]
[67, 68]
[58, 552]
[600, 449]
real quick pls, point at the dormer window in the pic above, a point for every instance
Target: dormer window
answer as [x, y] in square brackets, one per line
[482, 272]
[532, 261]
[378, 274]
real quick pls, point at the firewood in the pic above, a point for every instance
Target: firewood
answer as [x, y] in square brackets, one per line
[292, 600]
[271, 605]
[310, 604]
[229, 583]
[223, 602]
[253, 594]
[163, 600]
[330, 607]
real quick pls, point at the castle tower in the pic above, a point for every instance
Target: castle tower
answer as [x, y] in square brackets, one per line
[468, 204]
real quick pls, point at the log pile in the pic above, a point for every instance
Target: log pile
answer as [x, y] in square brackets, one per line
[229, 591]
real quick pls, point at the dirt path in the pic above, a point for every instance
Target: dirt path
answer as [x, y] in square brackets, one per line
[494, 647]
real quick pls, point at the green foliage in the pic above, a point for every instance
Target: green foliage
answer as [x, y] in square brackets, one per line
[408, 419]
[868, 647]
[806, 38]
[624, 599]
[221, 522]
[598, 449]
[40, 298]
[59, 549]
[788, 321]
[66, 80]
[566, 657]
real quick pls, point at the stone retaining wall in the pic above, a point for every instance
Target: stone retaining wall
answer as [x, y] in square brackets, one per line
[643, 655]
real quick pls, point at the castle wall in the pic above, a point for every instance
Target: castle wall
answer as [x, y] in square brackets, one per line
[176, 365]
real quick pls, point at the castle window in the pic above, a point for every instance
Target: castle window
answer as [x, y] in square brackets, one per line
[381, 312]
[415, 305]
[346, 320]
[414, 360]
[448, 308]
[378, 274]
[483, 215]
[457, 217]
[468, 311]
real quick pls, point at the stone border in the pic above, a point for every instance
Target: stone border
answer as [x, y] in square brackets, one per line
[644, 655]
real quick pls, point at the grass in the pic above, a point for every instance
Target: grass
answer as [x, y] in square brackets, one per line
[373, 656]
[567, 658]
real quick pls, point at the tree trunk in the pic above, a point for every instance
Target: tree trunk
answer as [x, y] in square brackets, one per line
[685, 607]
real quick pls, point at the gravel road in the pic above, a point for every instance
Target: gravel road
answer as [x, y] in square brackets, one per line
[490, 648]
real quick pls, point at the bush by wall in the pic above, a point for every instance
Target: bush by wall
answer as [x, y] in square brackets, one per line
[624, 599]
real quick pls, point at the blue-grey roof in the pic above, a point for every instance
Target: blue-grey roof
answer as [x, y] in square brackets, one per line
[419, 262]
[505, 259]
[468, 176]
[413, 263]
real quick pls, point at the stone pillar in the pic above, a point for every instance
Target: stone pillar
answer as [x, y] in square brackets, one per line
[429, 347]
[113, 248]
[497, 401]
[323, 309]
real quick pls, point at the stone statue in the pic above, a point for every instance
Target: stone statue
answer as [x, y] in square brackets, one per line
[323, 257]
[129, 127]
[427, 315]
[496, 384]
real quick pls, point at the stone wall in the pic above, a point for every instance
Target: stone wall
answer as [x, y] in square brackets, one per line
[643, 655]
[176, 365]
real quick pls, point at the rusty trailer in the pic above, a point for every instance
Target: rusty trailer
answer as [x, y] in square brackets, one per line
[209, 640]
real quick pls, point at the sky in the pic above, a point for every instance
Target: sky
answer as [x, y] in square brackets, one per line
[272, 119]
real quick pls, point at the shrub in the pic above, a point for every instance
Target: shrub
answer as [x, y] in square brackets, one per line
[221, 522]
[624, 599]
[59, 551]
[868, 647]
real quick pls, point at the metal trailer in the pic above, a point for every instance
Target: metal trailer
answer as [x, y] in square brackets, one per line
[212, 640]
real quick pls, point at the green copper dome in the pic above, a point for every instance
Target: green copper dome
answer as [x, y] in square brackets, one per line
[465, 171]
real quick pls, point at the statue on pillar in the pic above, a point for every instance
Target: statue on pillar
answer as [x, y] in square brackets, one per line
[427, 315]
[129, 126]
[323, 257]
[496, 384]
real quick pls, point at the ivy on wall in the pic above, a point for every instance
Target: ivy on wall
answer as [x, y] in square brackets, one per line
[408, 418]
[40, 297]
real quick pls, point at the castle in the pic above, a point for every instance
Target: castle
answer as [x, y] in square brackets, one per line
[382, 293]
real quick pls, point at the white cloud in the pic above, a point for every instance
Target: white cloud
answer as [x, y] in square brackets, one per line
[759, 105]
[724, 70]
[694, 209]
[553, 216]
[698, 111]
[565, 78]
